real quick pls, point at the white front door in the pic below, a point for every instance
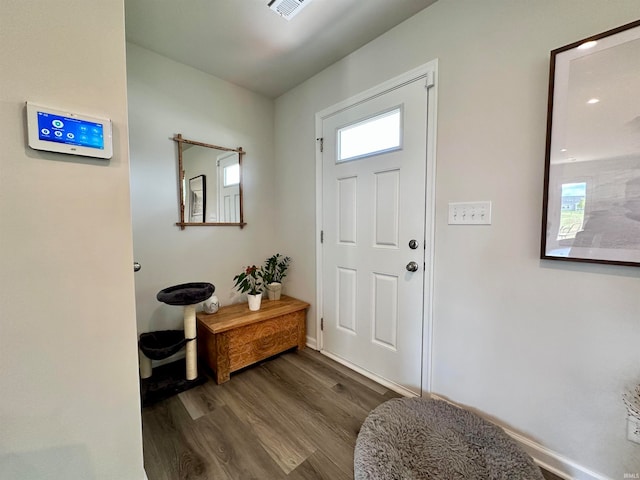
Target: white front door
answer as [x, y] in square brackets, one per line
[374, 211]
[228, 188]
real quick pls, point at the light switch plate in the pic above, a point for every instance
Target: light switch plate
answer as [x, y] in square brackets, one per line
[470, 213]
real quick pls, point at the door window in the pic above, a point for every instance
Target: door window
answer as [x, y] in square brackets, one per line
[572, 209]
[380, 133]
[232, 175]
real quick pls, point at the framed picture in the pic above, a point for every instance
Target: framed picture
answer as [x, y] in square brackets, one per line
[591, 209]
[197, 199]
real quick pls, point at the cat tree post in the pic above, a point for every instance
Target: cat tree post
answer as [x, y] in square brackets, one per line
[188, 295]
[190, 336]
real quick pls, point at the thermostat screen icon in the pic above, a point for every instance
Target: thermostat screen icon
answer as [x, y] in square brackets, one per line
[70, 131]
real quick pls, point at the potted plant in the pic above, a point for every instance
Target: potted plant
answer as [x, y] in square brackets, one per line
[250, 282]
[273, 272]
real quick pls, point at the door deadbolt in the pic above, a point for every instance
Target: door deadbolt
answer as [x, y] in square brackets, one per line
[413, 244]
[412, 267]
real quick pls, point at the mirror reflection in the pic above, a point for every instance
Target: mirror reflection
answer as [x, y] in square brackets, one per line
[210, 184]
[592, 184]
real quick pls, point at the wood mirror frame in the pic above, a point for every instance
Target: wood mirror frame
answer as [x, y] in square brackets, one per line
[181, 184]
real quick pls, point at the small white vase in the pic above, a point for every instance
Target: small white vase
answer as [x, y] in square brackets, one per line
[211, 305]
[254, 301]
[274, 290]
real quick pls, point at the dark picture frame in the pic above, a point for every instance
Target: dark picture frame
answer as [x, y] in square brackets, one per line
[197, 198]
[591, 202]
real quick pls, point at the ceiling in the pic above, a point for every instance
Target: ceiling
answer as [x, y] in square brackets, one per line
[248, 44]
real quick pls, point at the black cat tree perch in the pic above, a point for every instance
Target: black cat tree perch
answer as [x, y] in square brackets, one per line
[162, 344]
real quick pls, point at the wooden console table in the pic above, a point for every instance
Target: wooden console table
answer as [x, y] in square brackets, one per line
[235, 337]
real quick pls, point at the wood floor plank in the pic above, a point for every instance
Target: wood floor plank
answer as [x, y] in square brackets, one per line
[333, 431]
[167, 455]
[320, 418]
[360, 395]
[277, 432]
[342, 415]
[231, 448]
[323, 374]
[202, 400]
[354, 391]
[367, 382]
[319, 467]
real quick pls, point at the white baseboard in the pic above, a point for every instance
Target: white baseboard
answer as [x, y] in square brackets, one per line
[553, 461]
[544, 457]
[312, 343]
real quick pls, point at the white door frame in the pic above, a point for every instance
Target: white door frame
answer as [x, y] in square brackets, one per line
[428, 72]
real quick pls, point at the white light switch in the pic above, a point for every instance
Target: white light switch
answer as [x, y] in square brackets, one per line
[470, 213]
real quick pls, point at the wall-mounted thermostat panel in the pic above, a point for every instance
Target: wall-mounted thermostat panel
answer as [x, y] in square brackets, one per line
[68, 132]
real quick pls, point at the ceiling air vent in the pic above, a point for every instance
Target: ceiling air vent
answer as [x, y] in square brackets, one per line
[288, 8]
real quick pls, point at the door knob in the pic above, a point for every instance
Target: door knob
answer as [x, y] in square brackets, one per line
[412, 267]
[136, 266]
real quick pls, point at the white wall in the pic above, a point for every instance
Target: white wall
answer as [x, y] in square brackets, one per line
[69, 406]
[166, 98]
[544, 348]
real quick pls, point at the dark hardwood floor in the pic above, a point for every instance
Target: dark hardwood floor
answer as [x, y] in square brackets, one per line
[295, 416]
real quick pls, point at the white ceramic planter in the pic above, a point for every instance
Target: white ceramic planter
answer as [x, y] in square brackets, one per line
[274, 290]
[254, 301]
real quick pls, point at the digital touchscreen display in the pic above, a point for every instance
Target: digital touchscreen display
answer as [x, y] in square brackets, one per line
[70, 131]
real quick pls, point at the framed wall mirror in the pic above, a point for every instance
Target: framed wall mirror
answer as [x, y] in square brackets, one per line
[210, 184]
[591, 210]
